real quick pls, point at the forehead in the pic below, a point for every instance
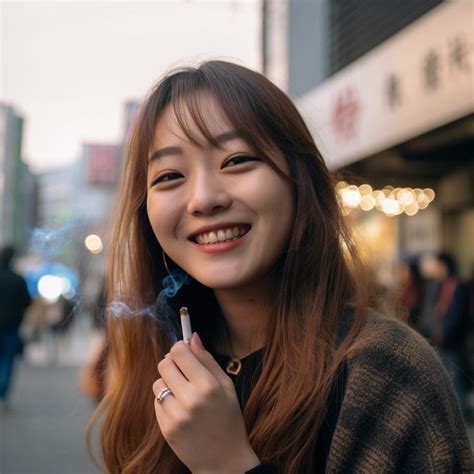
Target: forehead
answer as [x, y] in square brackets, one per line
[194, 121]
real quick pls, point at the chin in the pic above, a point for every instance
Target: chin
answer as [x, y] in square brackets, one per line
[222, 282]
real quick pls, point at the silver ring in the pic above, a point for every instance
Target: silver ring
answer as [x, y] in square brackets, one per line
[163, 394]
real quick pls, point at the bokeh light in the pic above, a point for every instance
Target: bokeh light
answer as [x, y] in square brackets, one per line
[93, 243]
[392, 201]
[351, 196]
[367, 202]
[51, 287]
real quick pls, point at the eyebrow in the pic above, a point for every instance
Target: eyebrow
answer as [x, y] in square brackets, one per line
[176, 150]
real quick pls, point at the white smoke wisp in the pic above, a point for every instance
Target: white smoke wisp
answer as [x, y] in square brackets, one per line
[119, 309]
[161, 312]
[51, 242]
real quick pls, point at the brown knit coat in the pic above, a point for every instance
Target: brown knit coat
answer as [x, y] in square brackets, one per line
[399, 413]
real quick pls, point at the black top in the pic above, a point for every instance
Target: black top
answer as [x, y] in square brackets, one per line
[246, 380]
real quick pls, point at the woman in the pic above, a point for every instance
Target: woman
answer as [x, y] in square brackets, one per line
[286, 371]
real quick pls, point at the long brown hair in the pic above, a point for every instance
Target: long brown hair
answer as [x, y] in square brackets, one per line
[315, 283]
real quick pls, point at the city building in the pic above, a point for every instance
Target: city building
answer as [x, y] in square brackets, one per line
[17, 184]
[386, 89]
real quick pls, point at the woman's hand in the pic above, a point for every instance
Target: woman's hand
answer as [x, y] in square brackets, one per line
[201, 420]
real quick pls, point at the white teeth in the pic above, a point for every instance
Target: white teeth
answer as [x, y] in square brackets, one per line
[220, 235]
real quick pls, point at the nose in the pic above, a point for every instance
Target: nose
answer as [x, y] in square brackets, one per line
[207, 194]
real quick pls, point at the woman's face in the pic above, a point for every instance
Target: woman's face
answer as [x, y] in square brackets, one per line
[223, 215]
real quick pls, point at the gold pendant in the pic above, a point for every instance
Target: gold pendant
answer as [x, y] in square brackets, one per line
[234, 366]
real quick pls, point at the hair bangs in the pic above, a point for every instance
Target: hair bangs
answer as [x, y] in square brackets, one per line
[188, 92]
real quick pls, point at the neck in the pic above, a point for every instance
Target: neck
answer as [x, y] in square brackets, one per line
[246, 312]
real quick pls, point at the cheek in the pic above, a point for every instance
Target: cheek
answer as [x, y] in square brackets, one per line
[160, 217]
[283, 220]
[276, 201]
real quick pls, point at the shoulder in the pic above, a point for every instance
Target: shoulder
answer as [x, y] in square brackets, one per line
[391, 358]
[384, 341]
[10, 275]
[461, 289]
[21, 280]
[11, 281]
[399, 411]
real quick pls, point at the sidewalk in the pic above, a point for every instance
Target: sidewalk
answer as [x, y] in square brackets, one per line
[67, 350]
[43, 430]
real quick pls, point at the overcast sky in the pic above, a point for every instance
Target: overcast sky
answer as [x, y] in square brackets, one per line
[68, 67]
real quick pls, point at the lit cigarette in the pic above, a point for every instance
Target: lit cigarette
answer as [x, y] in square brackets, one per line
[186, 325]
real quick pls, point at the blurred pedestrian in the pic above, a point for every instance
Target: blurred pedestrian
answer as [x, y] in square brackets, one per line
[445, 319]
[65, 315]
[411, 291]
[59, 318]
[14, 299]
[36, 320]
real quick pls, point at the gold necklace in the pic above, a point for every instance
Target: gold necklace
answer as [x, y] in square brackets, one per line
[234, 365]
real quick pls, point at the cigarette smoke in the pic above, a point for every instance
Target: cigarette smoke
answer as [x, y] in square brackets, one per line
[53, 242]
[119, 309]
[161, 312]
[169, 321]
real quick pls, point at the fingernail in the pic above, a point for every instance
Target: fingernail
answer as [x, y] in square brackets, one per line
[198, 340]
[167, 355]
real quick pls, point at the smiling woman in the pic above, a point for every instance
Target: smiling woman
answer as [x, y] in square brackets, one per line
[290, 370]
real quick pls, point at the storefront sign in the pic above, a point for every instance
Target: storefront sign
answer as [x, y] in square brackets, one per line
[418, 80]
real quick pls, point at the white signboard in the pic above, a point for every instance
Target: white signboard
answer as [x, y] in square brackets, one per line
[417, 80]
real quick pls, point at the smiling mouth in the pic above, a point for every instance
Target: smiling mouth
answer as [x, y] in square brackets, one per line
[225, 234]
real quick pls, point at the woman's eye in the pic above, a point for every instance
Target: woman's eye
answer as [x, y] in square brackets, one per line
[237, 160]
[166, 177]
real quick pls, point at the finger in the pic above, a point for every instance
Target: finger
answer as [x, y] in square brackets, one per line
[174, 379]
[191, 367]
[164, 410]
[166, 401]
[209, 362]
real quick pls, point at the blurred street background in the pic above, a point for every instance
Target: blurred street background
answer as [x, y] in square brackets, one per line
[43, 429]
[387, 91]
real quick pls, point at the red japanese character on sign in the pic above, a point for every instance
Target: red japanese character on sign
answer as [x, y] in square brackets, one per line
[345, 114]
